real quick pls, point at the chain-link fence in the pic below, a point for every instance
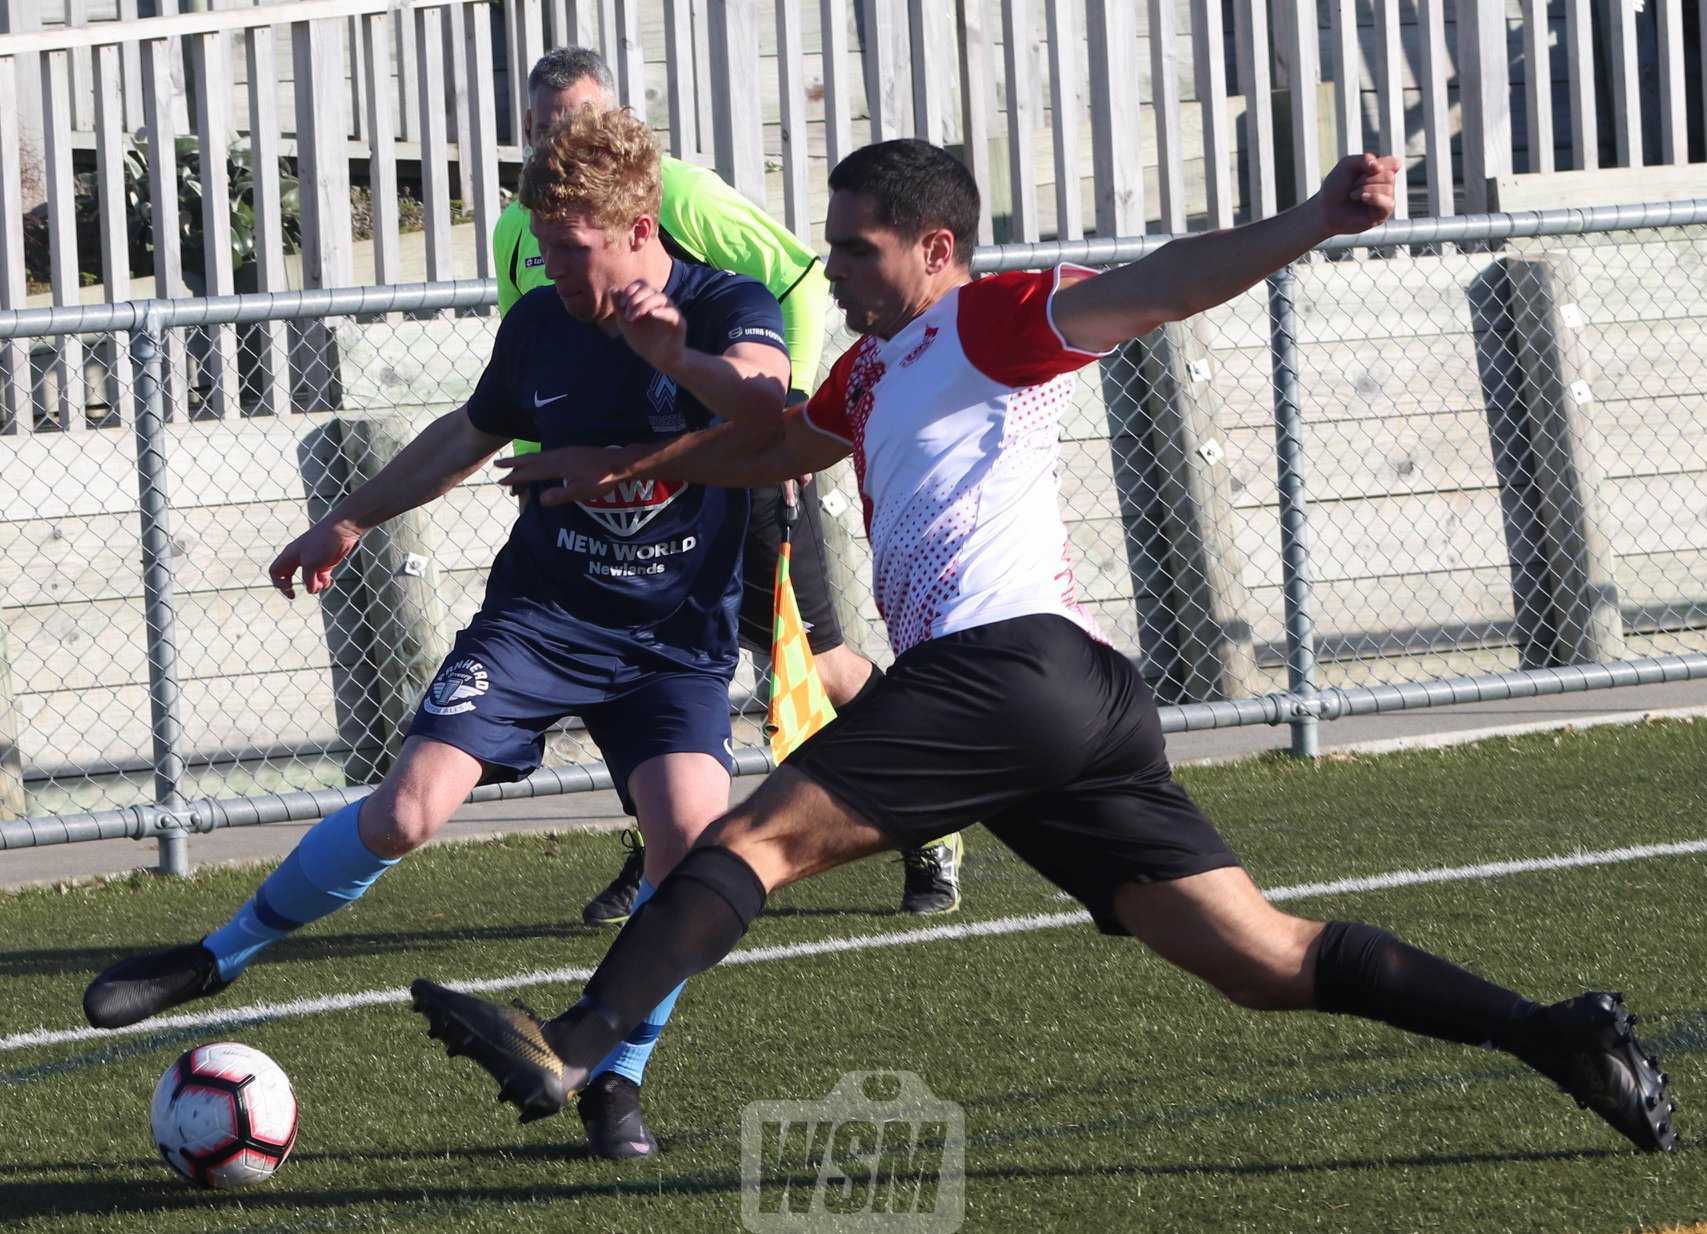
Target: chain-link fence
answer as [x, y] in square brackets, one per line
[1455, 460]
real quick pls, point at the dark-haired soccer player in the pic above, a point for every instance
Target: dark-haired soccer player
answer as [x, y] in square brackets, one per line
[1004, 704]
[619, 608]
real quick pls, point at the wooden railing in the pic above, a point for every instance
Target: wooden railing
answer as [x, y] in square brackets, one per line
[1105, 116]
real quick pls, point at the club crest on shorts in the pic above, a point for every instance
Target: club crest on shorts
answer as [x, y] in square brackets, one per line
[459, 685]
[627, 508]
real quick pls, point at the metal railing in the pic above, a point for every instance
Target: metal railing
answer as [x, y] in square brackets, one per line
[1464, 462]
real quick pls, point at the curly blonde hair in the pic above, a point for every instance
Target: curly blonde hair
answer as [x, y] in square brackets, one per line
[604, 163]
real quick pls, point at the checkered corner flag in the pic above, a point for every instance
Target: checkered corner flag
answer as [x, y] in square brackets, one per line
[799, 707]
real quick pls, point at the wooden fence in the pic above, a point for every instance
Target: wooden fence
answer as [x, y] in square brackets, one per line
[1102, 116]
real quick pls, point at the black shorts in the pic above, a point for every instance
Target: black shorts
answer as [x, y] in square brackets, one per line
[1046, 736]
[806, 568]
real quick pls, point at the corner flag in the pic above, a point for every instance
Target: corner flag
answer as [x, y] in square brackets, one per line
[798, 707]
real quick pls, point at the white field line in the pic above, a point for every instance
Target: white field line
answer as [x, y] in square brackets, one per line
[1022, 924]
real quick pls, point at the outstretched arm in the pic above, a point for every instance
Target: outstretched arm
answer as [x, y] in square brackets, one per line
[447, 451]
[1199, 272]
[725, 455]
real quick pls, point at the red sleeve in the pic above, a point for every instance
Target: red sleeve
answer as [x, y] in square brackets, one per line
[1007, 327]
[827, 410]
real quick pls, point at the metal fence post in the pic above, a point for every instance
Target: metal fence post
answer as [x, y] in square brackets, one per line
[1294, 516]
[157, 584]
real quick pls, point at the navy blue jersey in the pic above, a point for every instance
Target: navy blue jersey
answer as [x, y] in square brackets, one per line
[647, 576]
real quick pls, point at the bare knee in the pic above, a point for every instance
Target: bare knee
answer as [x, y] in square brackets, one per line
[392, 823]
[1273, 973]
[790, 829]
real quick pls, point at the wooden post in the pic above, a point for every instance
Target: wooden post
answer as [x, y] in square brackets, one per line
[1567, 468]
[480, 161]
[630, 58]
[217, 345]
[385, 622]
[1579, 65]
[163, 206]
[406, 621]
[269, 387]
[977, 104]
[115, 233]
[323, 170]
[1064, 105]
[1484, 77]
[1112, 31]
[1208, 48]
[1508, 436]
[17, 385]
[838, 107]
[67, 365]
[1301, 43]
[1250, 28]
[1538, 84]
[1177, 509]
[737, 126]
[790, 67]
[678, 60]
[1437, 128]
[343, 612]
[888, 69]
[1391, 108]
[1195, 513]
[847, 558]
[1164, 91]
[11, 762]
[1020, 55]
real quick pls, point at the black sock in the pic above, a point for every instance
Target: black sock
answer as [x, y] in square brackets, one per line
[1366, 972]
[871, 683]
[694, 919]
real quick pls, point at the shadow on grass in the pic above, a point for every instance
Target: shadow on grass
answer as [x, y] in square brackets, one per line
[92, 960]
[26, 1200]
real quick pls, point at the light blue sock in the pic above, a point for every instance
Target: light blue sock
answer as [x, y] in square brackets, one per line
[629, 1058]
[329, 867]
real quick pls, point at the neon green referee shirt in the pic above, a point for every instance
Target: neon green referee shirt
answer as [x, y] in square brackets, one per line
[713, 224]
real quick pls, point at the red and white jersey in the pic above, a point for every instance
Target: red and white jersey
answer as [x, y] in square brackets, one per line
[953, 424]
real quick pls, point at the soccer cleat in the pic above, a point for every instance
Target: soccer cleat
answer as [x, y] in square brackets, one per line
[509, 1042]
[615, 904]
[932, 883]
[610, 1111]
[145, 985]
[1586, 1045]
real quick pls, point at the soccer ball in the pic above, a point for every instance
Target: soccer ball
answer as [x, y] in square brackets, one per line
[224, 1115]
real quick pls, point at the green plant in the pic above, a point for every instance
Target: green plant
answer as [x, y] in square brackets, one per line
[139, 206]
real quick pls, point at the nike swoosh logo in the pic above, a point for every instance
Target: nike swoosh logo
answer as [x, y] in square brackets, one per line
[541, 402]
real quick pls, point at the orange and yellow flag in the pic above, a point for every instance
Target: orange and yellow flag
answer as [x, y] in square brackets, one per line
[799, 707]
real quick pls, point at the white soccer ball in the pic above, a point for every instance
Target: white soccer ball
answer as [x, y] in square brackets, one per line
[224, 1115]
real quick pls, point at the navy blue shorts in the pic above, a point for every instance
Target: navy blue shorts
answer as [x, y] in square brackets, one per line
[498, 693]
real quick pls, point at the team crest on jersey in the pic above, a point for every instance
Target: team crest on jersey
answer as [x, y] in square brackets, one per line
[930, 337]
[459, 685]
[632, 504]
[661, 411]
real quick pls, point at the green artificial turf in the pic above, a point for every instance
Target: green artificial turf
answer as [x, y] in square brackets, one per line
[1100, 1089]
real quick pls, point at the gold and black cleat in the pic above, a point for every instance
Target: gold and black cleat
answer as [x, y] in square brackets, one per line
[509, 1042]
